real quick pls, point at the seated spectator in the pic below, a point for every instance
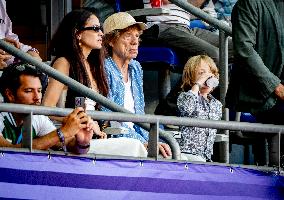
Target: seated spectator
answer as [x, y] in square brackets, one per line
[20, 83]
[7, 35]
[76, 45]
[173, 30]
[124, 74]
[208, 7]
[224, 9]
[200, 77]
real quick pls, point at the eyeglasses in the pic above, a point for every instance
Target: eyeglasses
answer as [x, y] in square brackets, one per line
[94, 28]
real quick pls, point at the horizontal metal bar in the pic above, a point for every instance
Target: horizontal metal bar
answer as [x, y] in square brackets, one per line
[148, 12]
[180, 121]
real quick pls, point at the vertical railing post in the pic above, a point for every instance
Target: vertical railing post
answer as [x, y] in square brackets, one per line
[153, 141]
[27, 132]
[223, 66]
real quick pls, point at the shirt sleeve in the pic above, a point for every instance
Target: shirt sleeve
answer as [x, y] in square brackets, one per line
[42, 125]
[187, 102]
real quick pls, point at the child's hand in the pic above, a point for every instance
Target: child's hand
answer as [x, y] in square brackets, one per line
[203, 77]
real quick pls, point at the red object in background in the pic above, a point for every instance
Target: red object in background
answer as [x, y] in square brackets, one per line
[156, 3]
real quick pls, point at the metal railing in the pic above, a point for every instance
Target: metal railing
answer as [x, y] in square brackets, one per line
[224, 32]
[155, 120]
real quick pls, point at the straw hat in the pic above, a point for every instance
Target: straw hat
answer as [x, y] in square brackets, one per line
[121, 20]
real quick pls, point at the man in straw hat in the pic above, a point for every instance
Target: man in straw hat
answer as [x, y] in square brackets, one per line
[124, 74]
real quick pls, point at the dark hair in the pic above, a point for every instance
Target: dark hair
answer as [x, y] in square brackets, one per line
[65, 44]
[10, 78]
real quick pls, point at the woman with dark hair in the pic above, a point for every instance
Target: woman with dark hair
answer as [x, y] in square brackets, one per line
[76, 47]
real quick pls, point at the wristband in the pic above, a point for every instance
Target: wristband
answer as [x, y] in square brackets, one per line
[83, 146]
[61, 139]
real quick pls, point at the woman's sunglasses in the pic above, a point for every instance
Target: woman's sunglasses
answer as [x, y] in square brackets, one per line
[94, 28]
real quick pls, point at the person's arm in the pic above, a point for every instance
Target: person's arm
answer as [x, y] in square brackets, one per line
[34, 53]
[77, 130]
[12, 36]
[245, 23]
[55, 88]
[41, 143]
[3, 58]
[73, 124]
[5, 143]
[196, 3]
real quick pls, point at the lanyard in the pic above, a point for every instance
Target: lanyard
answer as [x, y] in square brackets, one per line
[20, 137]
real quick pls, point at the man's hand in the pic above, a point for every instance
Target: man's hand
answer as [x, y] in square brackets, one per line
[165, 150]
[3, 58]
[34, 54]
[12, 42]
[84, 136]
[74, 122]
[279, 91]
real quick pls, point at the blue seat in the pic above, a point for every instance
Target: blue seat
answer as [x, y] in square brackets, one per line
[244, 117]
[197, 23]
[156, 54]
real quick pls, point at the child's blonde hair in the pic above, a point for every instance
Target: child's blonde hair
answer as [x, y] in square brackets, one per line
[190, 68]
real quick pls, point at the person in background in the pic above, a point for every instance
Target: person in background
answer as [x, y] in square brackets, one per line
[224, 9]
[257, 80]
[101, 8]
[20, 83]
[200, 77]
[124, 74]
[76, 46]
[10, 37]
[173, 30]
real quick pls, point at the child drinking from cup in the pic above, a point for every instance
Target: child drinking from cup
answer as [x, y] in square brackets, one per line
[200, 77]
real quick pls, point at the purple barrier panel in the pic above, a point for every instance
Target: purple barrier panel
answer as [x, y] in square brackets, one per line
[35, 176]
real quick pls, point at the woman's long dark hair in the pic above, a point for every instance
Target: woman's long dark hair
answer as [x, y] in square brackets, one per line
[65, 44]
